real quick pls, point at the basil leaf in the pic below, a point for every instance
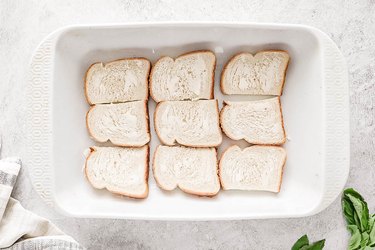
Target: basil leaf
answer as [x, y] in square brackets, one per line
[303, 244]
[368, 248]
[364, 239]
[319, 245]
[349, 213]
[303, 241]
[360, 215]
[362, 212]
[355, 239]
[371, 231]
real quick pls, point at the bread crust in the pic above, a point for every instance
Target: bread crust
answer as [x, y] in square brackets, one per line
[213, 68]
[282, 121]
[220, 166]
[87, 122]
[175, 142]
[140, 196]
[221, 119]
[85, 84]
[204, 194]
[148, 122]
[236, 146]
[119, 144]
[225, 104]
[200, 194]
[284, 76]
[120, 59]
[150, 78]
[155, 122]
[239, 54]
[174, 59]
[282, 173]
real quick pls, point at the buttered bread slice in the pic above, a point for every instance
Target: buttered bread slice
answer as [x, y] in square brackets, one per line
[124, 124]
[261, 74]
[193, 170]
[117, 81]
[258, 122]
[253, 168]
[119, 170]
[189, 123]
[188, 77]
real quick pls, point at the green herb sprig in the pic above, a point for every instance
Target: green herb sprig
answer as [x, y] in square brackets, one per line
[361, 224]
[303, 244]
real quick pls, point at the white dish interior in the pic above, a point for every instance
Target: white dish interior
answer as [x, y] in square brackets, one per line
[302, 103]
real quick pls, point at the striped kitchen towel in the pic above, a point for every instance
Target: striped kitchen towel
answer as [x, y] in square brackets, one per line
[20, 228]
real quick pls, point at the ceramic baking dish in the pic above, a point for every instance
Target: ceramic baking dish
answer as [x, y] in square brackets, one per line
[315, 108]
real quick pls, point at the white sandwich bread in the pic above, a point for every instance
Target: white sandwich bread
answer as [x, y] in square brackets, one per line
[117, 81]
[193, 170]
[262, 74]
[258, 122]
[120, 170]
[124, 124]
[189, 123]
[188, 77]
[253, 168]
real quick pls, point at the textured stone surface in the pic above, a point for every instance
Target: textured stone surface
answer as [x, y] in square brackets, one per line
[351, 24]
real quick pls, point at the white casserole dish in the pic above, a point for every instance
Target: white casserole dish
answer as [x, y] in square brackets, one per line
[315, 107]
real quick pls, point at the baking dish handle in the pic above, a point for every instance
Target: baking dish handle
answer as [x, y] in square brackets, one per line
[38, 157]
[336, 117]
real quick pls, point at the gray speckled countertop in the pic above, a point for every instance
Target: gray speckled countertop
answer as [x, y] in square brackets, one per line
[351, 24]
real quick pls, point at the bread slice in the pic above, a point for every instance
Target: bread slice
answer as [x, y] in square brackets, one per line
[258, 122]
[189, 123]
[124, 124]
[120, 170]
[118, 81]
[188, 77]
[193, 170]
[262, 74]
[253, 168]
